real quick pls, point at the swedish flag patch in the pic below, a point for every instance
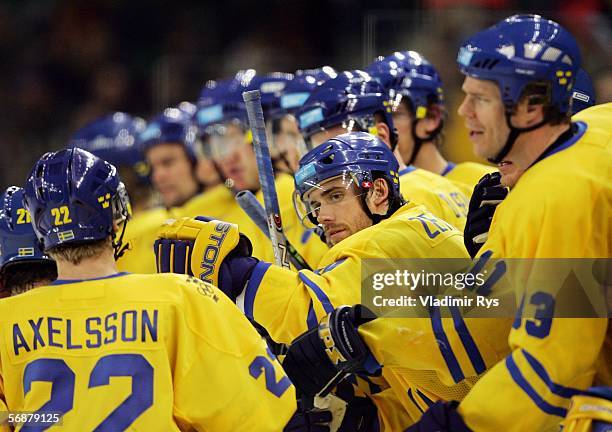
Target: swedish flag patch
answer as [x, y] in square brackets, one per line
[25, 251]
[65, 235]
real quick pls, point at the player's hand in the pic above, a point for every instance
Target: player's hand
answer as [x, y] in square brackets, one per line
[488, 193]
[213, 251]
[323, 356]
[361, 416]
[309, 421]
[440, 417]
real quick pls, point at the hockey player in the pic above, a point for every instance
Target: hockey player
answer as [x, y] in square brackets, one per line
[286, 143]
[23, 264]
[350, 186]
[169, 144]
[417, 99]
[222, 121]
[187, 359]
[518, 86]
[353, 101]
[489, 192]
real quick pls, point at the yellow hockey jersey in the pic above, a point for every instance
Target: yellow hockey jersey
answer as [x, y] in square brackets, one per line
[288, 303]
[440, 196]
[139, 352]
[559, 208]
[140, 234]
[466, 175]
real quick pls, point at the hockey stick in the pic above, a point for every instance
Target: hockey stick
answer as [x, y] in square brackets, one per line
[280, 244]
[247, 201]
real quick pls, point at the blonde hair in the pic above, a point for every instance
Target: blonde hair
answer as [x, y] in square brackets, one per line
[74, 253]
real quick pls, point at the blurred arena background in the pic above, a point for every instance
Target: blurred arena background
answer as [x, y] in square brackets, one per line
[67, 62]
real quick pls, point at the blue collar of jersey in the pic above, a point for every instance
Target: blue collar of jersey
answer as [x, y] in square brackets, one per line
[581, 128]
[406, 170]
[69, 281]
[449, 167]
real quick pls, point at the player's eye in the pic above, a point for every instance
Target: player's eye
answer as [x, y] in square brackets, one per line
[315, 206]
[336, 197]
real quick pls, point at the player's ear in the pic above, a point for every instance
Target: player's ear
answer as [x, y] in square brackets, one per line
[528, 111]
[433, 119]
[380, 192]
[383, 132]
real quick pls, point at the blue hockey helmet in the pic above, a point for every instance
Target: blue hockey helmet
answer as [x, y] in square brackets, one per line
[300, 87]
[409, 75]
[270, 87]
[75, 197]
[520, 50]
[173, 125]
[351, 99]
[221, 115]
[18, 242]
[583, 95]
[355, 156]
[113, 138]
[220, 102]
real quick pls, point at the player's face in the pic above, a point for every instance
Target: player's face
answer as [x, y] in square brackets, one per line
[206, 172]
[484, 116]
[402, 120]
[339, 209]
[287, 145]
[172, 173]
[237, 162]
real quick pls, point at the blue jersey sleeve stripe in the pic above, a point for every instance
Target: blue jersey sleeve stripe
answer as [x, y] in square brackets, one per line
[411, 396]
[306, 235]
[321, 296]
[449, 167]
[331, 266]
[311, 318]
[520, 380]
[559, 390]
[374, 388]
[406, 170]
[252, 287]
[424, 398]
[467, 340]
[444, 345]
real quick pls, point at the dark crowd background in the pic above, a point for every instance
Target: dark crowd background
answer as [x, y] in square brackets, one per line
[65, 63]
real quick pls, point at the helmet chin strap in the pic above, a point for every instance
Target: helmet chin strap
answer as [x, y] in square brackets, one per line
[418, 142]
[394, 204]
[512, 136]
[118, 245]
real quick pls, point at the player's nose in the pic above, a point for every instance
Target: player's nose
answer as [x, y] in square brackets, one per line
[464, 109]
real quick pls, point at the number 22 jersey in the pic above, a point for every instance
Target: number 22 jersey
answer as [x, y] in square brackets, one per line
[139, 352]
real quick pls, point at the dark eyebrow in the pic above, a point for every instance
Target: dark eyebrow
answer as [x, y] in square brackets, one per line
[327, 192]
